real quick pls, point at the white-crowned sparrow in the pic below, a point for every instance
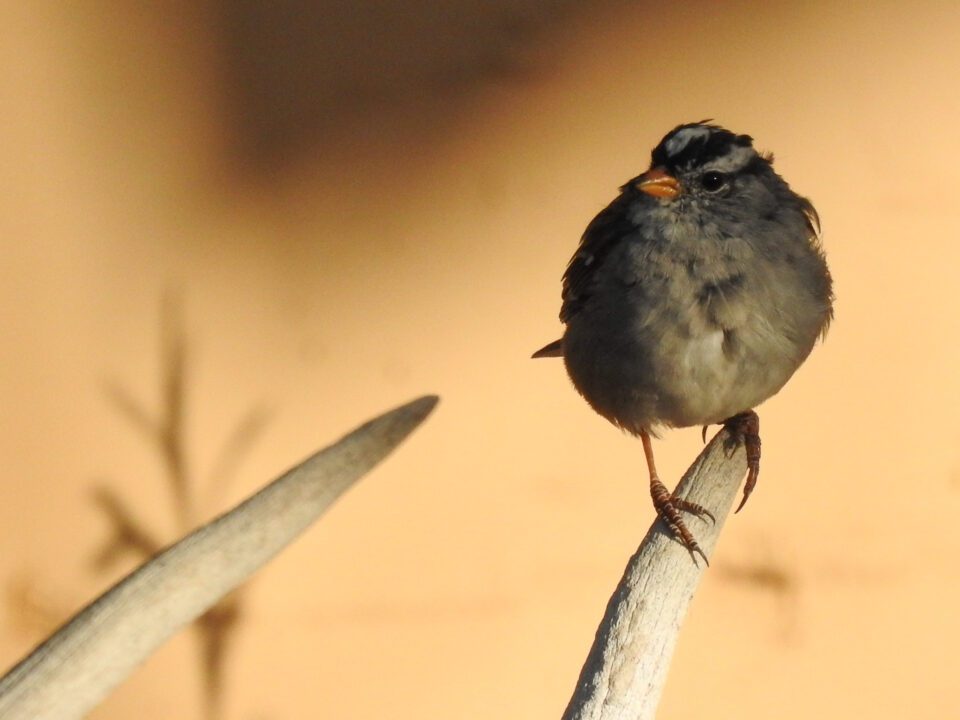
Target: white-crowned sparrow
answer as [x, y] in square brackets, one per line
[693, 297]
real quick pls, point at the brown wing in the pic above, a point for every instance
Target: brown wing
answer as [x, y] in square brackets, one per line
[604, 232]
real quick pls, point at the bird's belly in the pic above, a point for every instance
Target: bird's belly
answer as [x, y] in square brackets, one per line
[717, 373]
[702, 382]
[686, 376]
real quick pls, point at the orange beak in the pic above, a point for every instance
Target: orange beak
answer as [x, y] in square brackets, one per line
[657, 183]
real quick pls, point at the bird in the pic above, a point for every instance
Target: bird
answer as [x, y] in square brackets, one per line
[693, 297]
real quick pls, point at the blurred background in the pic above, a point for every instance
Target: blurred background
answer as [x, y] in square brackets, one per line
[233, 231]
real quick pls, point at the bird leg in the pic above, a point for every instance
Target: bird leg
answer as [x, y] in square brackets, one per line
[669, 506]
[744, 429]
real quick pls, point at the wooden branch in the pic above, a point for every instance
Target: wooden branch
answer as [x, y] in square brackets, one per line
[80, 663]
[624, 674]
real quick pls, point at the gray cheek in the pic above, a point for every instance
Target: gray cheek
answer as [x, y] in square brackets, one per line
[756, 198]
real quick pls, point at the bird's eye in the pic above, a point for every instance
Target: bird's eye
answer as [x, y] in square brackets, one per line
[713, 181]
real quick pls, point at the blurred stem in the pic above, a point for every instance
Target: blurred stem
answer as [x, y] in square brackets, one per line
[214, 631]
[240, 440]
[173, 420]
[129, 532]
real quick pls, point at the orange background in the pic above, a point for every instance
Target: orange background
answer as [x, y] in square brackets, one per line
[358, 204]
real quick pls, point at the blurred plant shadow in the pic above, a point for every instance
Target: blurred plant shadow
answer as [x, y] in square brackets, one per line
[166, 432]
[768, 574]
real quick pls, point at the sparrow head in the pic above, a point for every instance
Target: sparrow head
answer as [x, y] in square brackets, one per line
[700, 170]
[699, 160]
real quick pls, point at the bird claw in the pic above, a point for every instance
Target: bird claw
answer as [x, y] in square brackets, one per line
[696, 549]
[693, 508]
[744, 430]
[669, 507]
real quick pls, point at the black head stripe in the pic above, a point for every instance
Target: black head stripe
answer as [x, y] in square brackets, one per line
[696, 144]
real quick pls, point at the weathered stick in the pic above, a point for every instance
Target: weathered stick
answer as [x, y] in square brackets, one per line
[78, 665]
[624, 674]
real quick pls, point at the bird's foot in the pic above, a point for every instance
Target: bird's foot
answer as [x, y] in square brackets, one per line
[744, 429]
[669, 507]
